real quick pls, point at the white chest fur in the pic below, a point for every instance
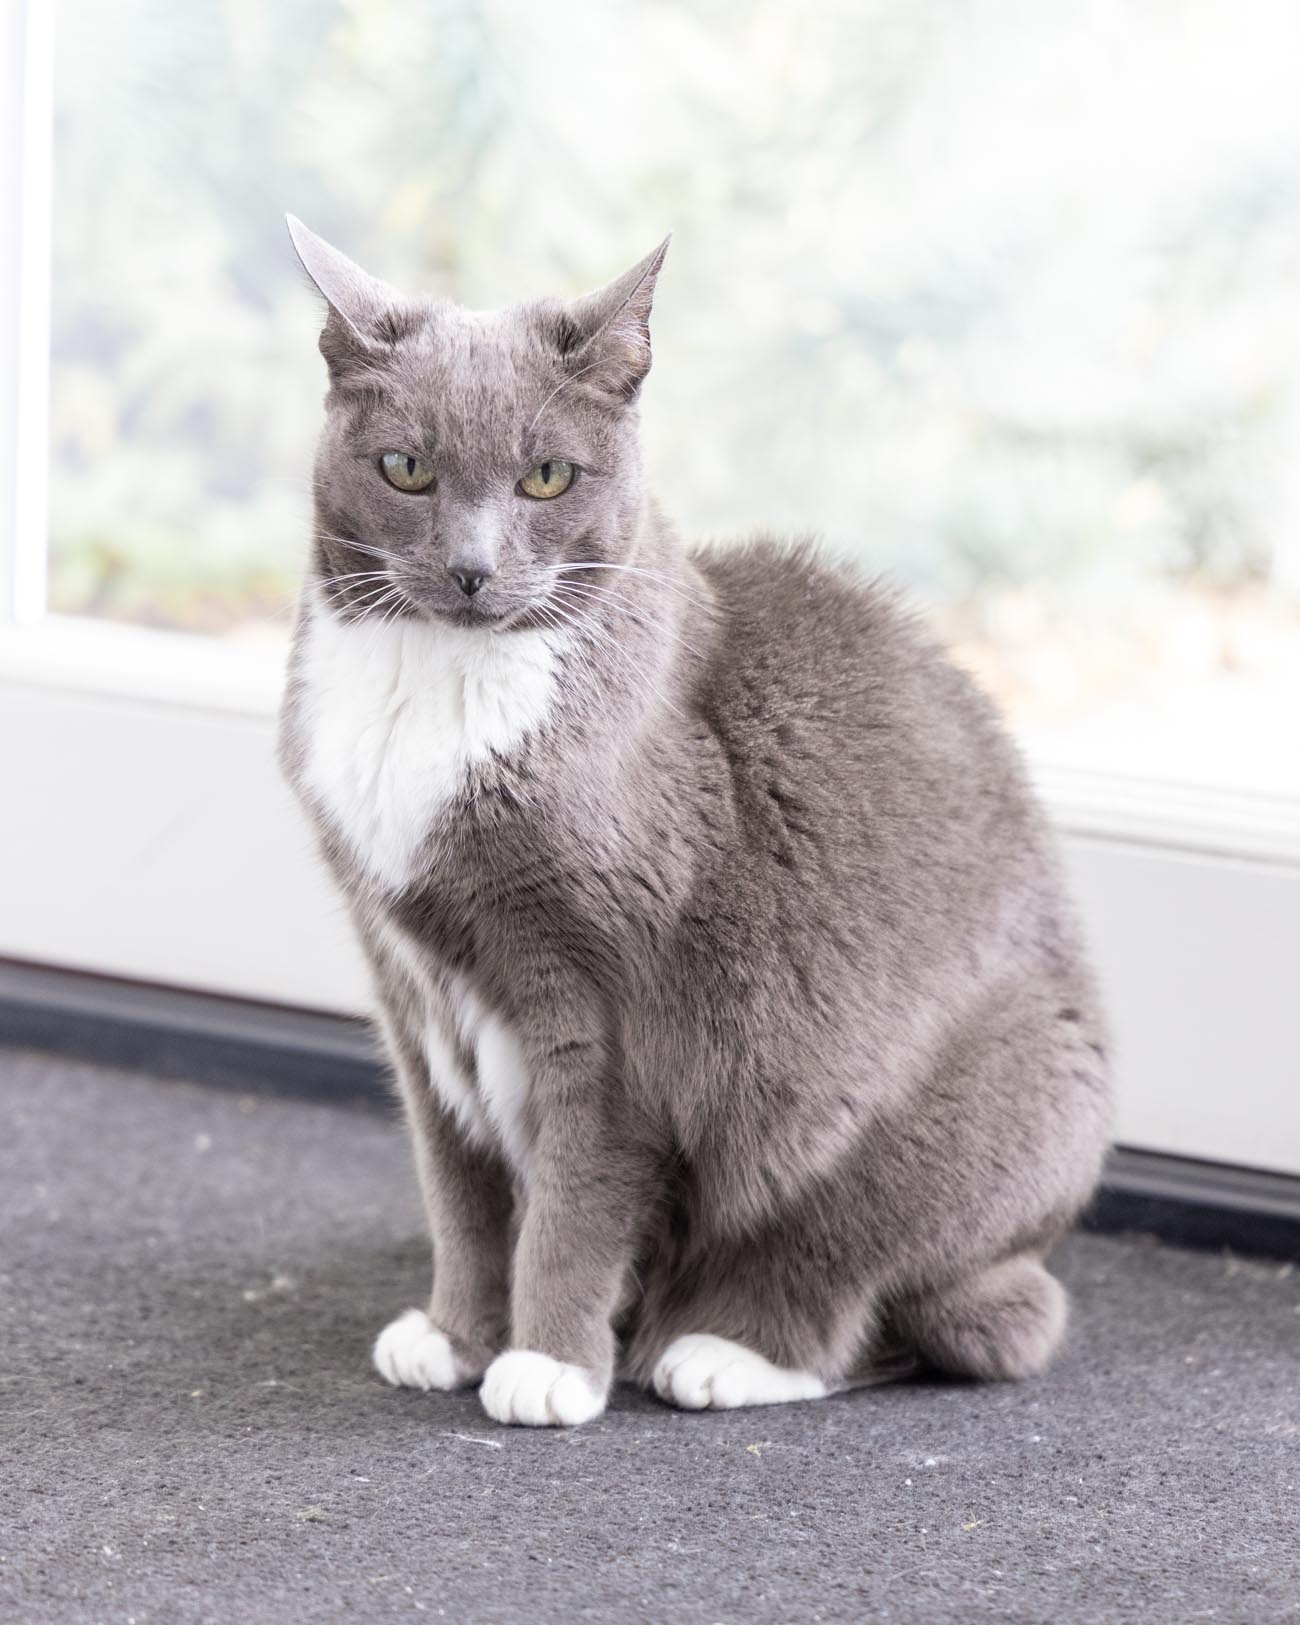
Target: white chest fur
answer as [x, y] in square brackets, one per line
[395, 716]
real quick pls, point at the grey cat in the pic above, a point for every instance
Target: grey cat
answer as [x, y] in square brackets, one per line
[745, 1037]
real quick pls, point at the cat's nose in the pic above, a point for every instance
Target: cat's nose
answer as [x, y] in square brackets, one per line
[469, 581]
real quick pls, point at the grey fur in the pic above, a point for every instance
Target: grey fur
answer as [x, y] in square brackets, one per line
[816, 1062]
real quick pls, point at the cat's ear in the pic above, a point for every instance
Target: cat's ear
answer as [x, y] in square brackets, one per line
[606, 334]
[357, 301]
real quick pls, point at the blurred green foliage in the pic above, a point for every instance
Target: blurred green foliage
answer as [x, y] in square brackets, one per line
[999, 297]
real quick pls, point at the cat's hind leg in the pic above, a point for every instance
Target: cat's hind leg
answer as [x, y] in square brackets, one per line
[1001, 1324]
[723, 1323]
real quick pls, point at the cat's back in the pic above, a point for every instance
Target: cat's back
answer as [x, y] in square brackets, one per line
[839, 675]
[877, 796]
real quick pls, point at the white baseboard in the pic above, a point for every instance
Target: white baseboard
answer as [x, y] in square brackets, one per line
[155, 842]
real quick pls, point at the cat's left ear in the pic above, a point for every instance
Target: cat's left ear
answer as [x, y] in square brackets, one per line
[607, 333]
[357, 301]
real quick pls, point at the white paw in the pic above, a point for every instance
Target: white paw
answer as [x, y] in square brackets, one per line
[701, 1372]
[539, 1392]
[411, 1352]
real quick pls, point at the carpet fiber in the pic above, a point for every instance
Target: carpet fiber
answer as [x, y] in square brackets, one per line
[189, 1285]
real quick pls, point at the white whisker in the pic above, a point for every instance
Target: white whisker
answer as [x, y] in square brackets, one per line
[585, 623]
[365, 612]
[358, 597]
[362, 547]
[398, 604]
[577, 566]
[360, 575]
[573, 649]
[343, 586]
[563, 384]
[620, 604]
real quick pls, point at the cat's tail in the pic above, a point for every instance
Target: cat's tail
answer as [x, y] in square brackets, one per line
[884, 1362]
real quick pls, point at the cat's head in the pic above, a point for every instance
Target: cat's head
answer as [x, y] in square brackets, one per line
[468, 454]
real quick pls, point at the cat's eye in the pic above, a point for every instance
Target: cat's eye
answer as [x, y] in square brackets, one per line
[406, 472]
[547, 480]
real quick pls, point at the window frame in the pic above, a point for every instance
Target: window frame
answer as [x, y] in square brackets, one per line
[143, 796]
[26, 190]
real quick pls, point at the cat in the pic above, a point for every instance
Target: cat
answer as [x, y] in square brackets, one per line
[746, 1039]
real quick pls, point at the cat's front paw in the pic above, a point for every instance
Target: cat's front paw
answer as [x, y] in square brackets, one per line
[411, 1352]
[539, 1392]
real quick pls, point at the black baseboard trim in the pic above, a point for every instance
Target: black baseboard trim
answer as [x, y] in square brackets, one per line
[1206, 1205]
[265, 1049]
[199, 1037]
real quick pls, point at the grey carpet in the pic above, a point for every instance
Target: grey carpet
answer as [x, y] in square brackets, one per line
[190, 1284]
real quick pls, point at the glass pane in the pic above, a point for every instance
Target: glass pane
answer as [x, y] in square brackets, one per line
[999, 298]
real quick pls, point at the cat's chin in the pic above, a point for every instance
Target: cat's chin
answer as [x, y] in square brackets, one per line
[482, 620]
[471, 619]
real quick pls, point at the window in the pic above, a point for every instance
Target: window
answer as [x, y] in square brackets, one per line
[1052, 384]
[999, 299]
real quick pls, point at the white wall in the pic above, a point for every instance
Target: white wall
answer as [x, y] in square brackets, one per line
[155, 840]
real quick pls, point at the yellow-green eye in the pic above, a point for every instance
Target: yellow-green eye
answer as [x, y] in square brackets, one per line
[547, 480]
[407, 473]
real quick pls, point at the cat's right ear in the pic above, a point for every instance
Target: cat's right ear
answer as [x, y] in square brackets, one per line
[357, 301]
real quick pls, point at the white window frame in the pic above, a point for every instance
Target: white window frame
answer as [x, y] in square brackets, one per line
[26, 160]
[145, 833]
